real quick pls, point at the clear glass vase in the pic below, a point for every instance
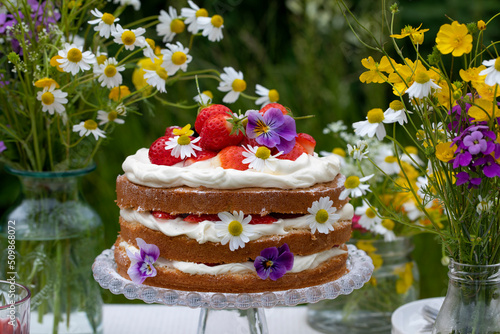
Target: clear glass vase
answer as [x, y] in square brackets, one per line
[56, 236]
[472, 303]
[368, 310]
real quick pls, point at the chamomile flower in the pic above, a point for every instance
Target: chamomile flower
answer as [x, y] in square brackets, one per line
[322, 215]
[156, 78]
[52, 99]
[233, 83]
[335, 127]
[368, 216]
[266, 95]
[105, 23]
[129, 38]
[388, 163]
[212, 27]
[109, 73]
[88, 127]
[422, 86]
[73, 59]
[412, 211]
[135, 3]
[359, 150]
[383, 229]
[149, 49]
[182, 146]
[483, 205]
[260, 158]
[170, 24]
[192, 14]
[204, 97]
[234, 228]
[354, 187]
[111, 116]
[396, 113]
[492, 72]
[373, 124]
[175, 57]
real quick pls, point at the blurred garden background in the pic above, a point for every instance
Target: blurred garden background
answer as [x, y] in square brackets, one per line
[302, 48]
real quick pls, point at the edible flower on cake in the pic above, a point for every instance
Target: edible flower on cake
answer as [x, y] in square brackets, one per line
[142, 261]
[274, 262]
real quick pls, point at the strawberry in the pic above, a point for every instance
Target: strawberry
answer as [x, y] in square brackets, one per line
[296, 152]
[273, 105]
[206, 113]
[199, 219]
[158, 155]
[307, 142]
[232, 157]
[218, 133]
[256, 220]
[200, 156]
[169, 132]
[162, 215]
[249, 141]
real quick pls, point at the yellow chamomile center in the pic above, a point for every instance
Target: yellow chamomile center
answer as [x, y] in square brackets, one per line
[390, 159]
[74, 55]
[376, 115]
[208, 93]
[183, 140]
[370, 213]
[352, 182]
[497, 64]
[110, 71]
[274, 96]
[162, 73]
[422, 77]
[396, 105]
[339, 151]
[90, 124]
[108, 18]
[202, 12]
[47, 98]
[217, 21]
[177, 26]
[101, 59]
[239, 85]
[263, 153]
[128, 37]
[112, 115]
[388, 224]
[179, 58]
[321, 216]
[235, 228]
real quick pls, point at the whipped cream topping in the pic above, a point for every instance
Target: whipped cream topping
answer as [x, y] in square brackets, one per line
[205, 230]
[300, 263]
[304, 172]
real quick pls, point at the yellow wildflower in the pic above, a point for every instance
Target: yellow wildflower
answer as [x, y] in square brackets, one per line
[405, 280]
[445, 151]
[339, 151]
[138, 75]
[481, 25]
[416, 35]
[45, 82]
[375, 69]
[366, 245]
[472, 74]
[55, 63]
[404, 75]
[445, 95]
[483, 110]
[118, 93]
[454, 38]
[486, 92]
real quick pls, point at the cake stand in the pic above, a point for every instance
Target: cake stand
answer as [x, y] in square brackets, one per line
[244, 311]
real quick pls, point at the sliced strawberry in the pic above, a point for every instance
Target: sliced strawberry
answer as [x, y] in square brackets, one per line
[273, 105]
[201, 218]
[158, 155]
[169, 131]
[257, 220]
[200, 156]
[206, 113]
[163, 215]
[232, 157]
[218, 133]
[296, 152]
[307, 142]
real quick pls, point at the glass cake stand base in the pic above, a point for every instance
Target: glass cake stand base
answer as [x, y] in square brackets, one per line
[242, 312]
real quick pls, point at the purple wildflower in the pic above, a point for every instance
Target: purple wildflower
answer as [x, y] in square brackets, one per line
[2, 146]
[464, 177]
[272, 130]
[141, 266]
[489, 166]
[274, 262]
[475, 142]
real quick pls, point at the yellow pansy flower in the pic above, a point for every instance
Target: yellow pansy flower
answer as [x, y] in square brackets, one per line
[472, 74]
[486, 92]
[454, 38]
[483, 110]
[375, 69]
[445, 151]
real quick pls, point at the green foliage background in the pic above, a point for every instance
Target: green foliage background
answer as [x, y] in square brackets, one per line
[305, 50]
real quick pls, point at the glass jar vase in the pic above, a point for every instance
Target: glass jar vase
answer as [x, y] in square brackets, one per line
[368, 310]
[472, 303]
[56, 236]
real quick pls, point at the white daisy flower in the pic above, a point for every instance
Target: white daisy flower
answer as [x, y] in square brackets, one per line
[412, 211]
[88, 127]
[373, 124]
[149, 49]
[412, 156]
[492, 72]
[73, 59]
[175, 57]
[212, 27]
[156, 78]
[135, 3]
[387, 162]
[233, 83]
[234, 228]
[182, 146]
[260, 158]
[170, 24]
[322, 215]
[483, 205]
[121, 109]
[109, 73]
[204, 97]
[422, 86]
[105, 23]
[359, 150]
[52, 99]
[380, 229]
[266, 95]
[111, 116]
[354, 187]
[335, 127]
[129, 38]
[368, 216]
[422, 185]
[396, 113]
[191, 15]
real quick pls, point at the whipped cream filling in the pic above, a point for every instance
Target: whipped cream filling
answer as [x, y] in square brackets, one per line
[300, 263]
[304, 172]
[205, 230]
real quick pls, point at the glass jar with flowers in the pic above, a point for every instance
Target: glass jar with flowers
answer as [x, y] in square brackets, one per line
[449, 110]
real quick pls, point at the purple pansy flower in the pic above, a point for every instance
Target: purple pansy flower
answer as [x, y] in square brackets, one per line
[142, 261]
[274, 262]
[475, 142]
[272, 130]
[464, 177]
